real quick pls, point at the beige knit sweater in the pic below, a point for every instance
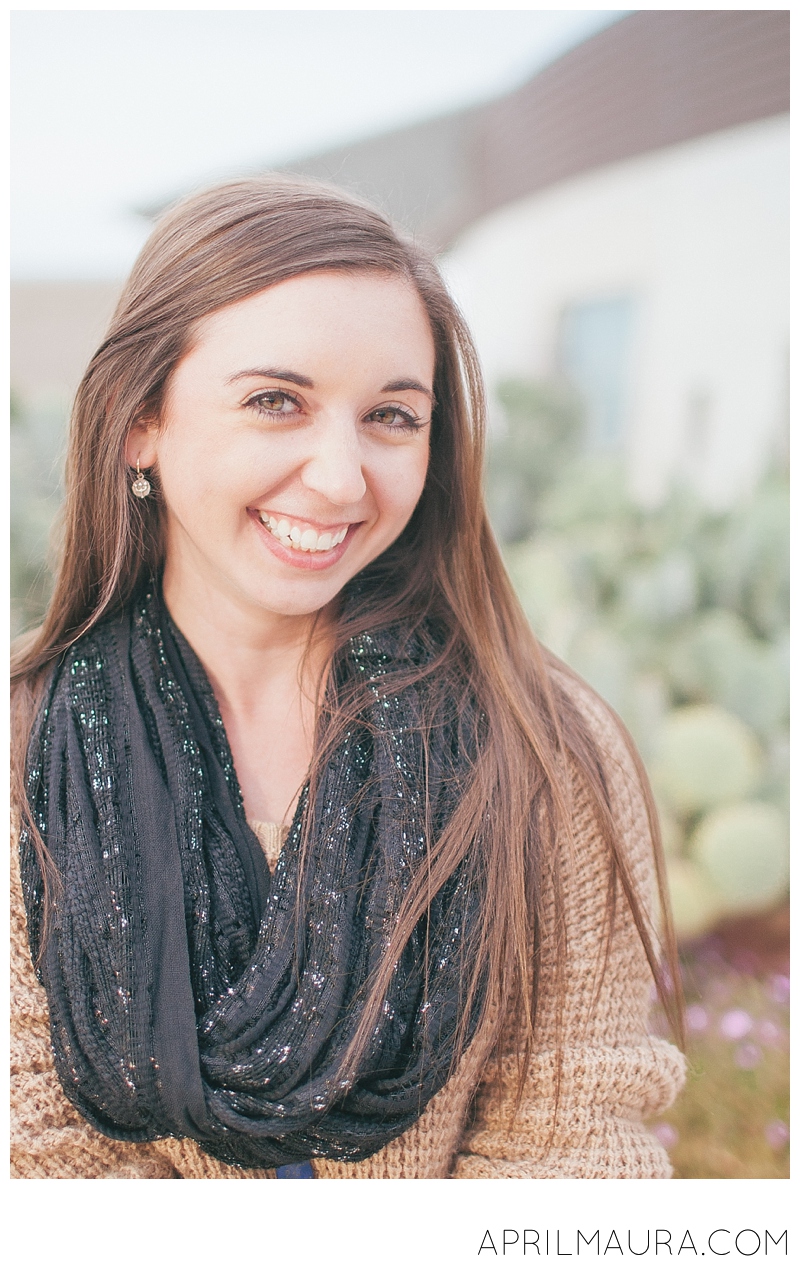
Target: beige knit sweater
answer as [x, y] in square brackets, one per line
[614, 1075]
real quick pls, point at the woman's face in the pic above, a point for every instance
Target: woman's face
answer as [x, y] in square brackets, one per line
[293, 442]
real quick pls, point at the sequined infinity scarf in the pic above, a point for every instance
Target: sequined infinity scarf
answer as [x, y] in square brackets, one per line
[190, 993]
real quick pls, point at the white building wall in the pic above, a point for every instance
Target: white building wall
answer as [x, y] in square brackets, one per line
[698, 235]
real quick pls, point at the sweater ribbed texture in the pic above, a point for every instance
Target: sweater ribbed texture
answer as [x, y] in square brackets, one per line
[271, 837]
[613, 1074]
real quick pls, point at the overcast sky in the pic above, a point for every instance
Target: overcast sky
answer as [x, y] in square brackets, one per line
[114, 110]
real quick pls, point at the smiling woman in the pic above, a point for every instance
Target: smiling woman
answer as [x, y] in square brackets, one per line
[274, 499]
[319, 848]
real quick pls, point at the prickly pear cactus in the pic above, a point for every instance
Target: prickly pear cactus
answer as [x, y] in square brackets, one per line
[678, 615]
[695, 903]
[706, 757]
[744, 852]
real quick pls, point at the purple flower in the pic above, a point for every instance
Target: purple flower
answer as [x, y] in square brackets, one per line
[748, 1056]
[777, 1134]
[779, 988]
[666, 1134]
[696, 1018]
[769, 1033]
[735, 1024]
[718, 989]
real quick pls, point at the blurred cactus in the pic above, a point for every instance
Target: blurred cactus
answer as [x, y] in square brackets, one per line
[678, 615]
[672, 836]
[36, 444]
[695, 903]
[744, 851]
[706, 757]
[717, 656]
[541, 434]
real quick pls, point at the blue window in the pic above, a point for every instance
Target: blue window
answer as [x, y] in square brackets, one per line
[594, 355]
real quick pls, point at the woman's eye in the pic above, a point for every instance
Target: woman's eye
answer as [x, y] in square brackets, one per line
[389, 416]
[274, 403]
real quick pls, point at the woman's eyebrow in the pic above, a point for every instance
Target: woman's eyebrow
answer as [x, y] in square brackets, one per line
[302, 381]
[270, 372]
[407, 385]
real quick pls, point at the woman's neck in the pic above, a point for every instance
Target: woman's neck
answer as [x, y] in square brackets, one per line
[266, 670]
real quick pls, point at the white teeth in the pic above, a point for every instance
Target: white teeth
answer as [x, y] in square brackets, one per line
[301, 539]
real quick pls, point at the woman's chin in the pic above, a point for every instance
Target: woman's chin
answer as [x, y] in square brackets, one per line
[302, 596]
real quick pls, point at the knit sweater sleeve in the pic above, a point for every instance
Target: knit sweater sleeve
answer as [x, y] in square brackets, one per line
[612, 1073]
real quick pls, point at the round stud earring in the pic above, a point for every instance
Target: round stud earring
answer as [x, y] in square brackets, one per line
[141, 485]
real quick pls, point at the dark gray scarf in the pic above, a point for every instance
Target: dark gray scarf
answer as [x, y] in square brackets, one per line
[190, 993]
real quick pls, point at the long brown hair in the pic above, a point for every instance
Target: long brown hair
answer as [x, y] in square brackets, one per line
[223, 245]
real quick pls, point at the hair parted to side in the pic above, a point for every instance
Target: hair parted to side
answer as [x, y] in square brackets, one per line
[223, 245]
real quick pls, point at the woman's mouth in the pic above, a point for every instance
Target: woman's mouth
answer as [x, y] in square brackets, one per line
[300, 544]
[296, 538]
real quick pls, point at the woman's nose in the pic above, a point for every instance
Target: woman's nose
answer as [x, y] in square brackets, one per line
[335, 467]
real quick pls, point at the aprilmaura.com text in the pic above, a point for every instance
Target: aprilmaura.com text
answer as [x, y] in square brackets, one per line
[629, 1242]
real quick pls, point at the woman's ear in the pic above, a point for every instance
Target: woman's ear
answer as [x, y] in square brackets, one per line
[141, 444]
